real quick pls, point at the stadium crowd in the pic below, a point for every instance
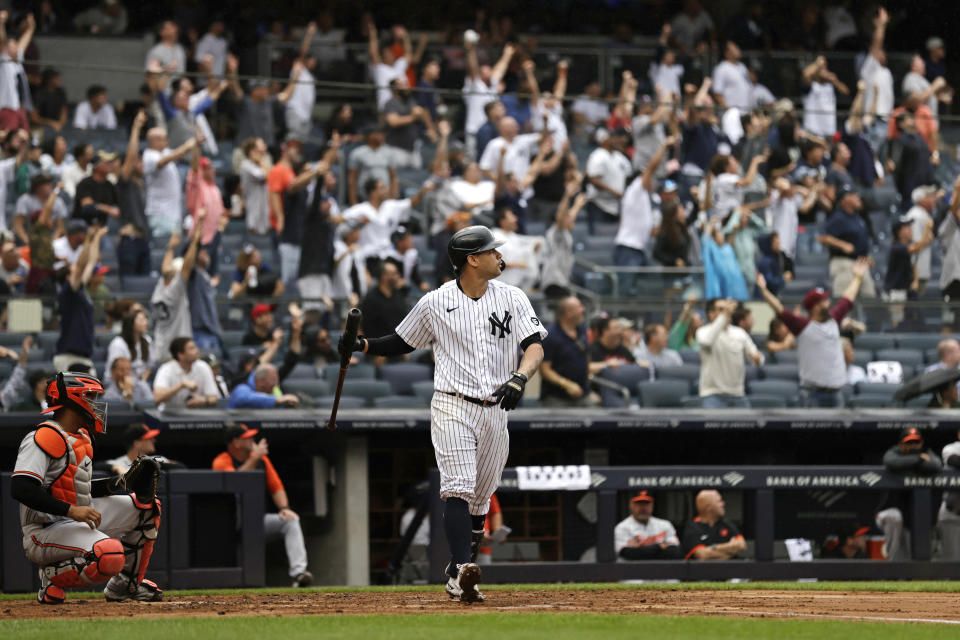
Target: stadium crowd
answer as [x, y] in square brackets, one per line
[231, 188]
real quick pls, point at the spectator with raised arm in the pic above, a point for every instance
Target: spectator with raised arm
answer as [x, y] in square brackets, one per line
[96, 198]
[256, 106]
[14, 90]
[385, 65]
[404, 118]
[820, 100]
[879, 89]
[202, 193]
[480, 87]
[374, 159]
[171, 305]
[299, 108]
[845, 235]
[164, 199]
[820, 355]
[724, 345]
[168, 52]
[133, 250]
[557, 259]
[213, 46]
[607, 171]
[75, 345]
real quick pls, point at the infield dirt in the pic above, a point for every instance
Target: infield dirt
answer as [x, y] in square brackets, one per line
[939, 607]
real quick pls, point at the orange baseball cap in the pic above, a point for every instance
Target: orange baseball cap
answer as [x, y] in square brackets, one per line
[643, 496]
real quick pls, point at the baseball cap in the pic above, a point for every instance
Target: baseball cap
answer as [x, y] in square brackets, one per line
[76, 225]
[669, 186]
[922, 192]
[814, 297]
[101, 269]
[910, 434]
[936, 42]
[260, 309]
[238, 431]
[844, 190]
[898, 224]
[105, 156]
[398, 235]
[138, 432]
[204, 162]
[643, 496]
[852, 530]
[620, 131]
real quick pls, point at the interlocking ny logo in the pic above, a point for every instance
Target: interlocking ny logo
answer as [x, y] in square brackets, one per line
[734, 478]
[502, 325]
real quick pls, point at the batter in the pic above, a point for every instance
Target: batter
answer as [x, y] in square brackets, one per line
[477, 327]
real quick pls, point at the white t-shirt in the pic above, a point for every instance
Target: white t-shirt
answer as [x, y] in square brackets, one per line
[8, 173]
[86, 118]
[167, 54]
[519, 153]
[873, 73]
[171, 315]
[667, 77]
[916, 83]
[71, 176]
[820, 109]
[654, 532]
[345, 261]
[784, 213]
[762, 96]
[9, 81]
[382, 75]
[613, 168]
[731, 125]
[164, 192]
[476, 95]
[304, 96]
[216, 47]
[723, 348]
[118, 348]
[518, 249]
[28, 204]
[555, 123]
[63, 251]
[475, 342]
[732, 81]
[593, 109]
[375, 234]
[726, 194]
[918, 217]
[637, 217]
[171, 373]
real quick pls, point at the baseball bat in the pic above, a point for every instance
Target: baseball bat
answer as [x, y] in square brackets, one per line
[350, 335]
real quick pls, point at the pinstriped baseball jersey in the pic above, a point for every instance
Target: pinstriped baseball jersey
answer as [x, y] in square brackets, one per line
[475, 342]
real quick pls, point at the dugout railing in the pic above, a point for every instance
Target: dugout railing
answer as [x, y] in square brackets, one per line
[761, 485]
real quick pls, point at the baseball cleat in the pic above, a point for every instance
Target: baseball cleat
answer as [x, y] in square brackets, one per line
[49, 593]
[304, 579]
[468, 577]
[118, 590]
[453, 589]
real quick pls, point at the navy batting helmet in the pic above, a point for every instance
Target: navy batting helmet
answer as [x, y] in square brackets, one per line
[466, 242]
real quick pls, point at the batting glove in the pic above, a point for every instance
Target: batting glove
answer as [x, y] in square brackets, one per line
[345, 349]
[510, 392]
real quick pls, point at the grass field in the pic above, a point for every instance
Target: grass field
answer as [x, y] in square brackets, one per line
[497, 619]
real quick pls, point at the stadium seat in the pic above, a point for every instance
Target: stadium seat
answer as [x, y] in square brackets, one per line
[862, 357]
[877, 388]
[366, 389]
[231, 337]
[138, 285]
[423, 389]
[691, 402]
[906, 357]
[628, 375]
[303, 371]
[663, 393]
[764, 401]
[789, 356]
[400, 402]
[690, 356]
[874, 341]
[311, 388]
[402, 375]
[346, 402]
[918, 341]
[359, 371]
[871, 401]
[930, 355]
[241, 351]
[689, 373]
[781, 372]
[785, 389]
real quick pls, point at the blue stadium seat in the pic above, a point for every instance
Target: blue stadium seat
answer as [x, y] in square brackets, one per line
[691, 402]
[785, 389]
[781, 372]
[765, 401]
[303, 371]
[311, 388]
[930, 355]
[663, 393]
[628, 375]
[402, 375]
[862, 357]
[366, 389]
[231, 337]
[423, 389]
[906, 357]
[689, 356]
[874, 341]
[789, 356]
[690, 373]
[346, 402]
[359, 371]
[400, 402]
[877, 389]
[871, 401]
[918, 341]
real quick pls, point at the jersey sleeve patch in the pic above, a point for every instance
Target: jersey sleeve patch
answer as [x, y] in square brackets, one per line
[50, 441]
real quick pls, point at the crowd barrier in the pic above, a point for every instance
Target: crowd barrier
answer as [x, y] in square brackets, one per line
[762, 483]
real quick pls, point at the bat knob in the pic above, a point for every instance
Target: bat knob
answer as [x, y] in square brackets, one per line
[332, 426]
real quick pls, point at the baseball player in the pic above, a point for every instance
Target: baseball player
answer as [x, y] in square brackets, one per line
[477, 326]
[73, 528]
[641, 536]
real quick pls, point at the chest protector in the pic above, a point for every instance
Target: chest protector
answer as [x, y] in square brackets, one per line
[73, 484]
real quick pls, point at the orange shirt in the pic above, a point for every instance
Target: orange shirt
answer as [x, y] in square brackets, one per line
[278, 180]
[927, 125]
[494, 509]
[224, 462]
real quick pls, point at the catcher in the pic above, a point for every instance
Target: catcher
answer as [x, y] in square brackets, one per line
[74, 528]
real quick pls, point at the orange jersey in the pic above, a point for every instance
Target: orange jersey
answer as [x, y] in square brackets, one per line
[224, 462]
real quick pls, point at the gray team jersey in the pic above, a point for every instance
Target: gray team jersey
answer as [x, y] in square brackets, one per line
[475, 342]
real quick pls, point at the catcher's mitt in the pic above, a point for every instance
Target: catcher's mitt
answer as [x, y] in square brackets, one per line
[141, 479]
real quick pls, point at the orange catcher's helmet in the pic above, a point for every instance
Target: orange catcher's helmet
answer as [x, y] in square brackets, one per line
[80, 392]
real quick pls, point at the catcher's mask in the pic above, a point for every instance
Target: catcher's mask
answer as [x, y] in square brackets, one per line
[81, 393]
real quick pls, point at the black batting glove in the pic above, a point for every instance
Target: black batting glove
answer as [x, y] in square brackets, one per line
[510, 392]
[346, 349]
